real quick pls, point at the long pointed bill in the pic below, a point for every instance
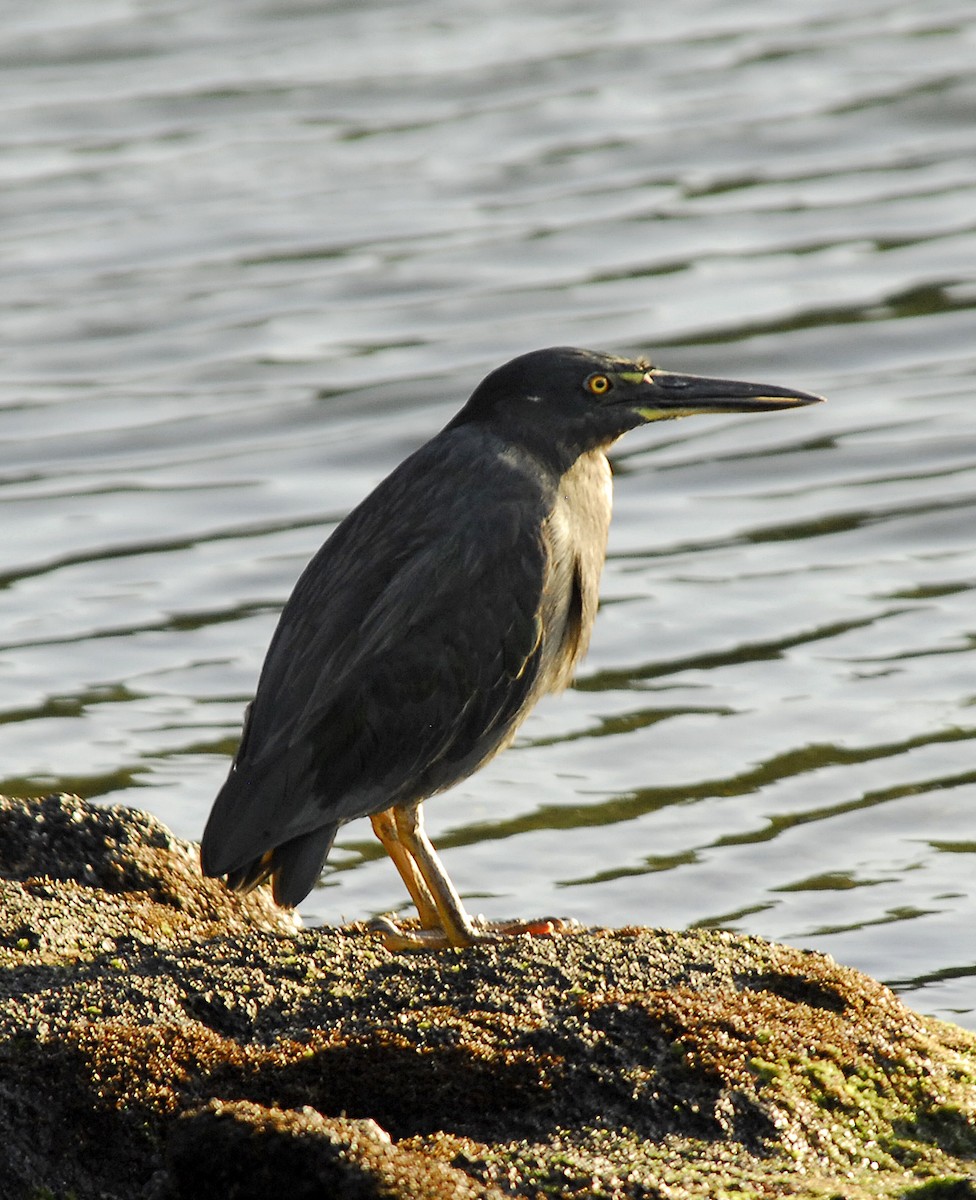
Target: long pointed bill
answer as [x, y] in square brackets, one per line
[669, 395]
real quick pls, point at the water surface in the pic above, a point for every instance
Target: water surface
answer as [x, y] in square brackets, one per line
[254, 254]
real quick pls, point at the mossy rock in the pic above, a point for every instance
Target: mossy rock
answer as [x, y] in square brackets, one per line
[161, 1038]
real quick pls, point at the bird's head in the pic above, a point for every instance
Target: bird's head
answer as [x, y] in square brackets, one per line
[562, 402]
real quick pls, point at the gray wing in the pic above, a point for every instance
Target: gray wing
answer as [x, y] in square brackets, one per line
[406, 657]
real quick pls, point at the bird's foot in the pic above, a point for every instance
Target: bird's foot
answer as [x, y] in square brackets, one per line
[540, 927]
[479, 931]
[396, 938]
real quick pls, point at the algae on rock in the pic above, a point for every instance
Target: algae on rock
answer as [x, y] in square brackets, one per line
[165, 1038]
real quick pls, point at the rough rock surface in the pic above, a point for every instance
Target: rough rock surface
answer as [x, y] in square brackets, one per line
[162, 1038]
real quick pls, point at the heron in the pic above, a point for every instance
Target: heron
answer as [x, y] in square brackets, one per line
[440, 610]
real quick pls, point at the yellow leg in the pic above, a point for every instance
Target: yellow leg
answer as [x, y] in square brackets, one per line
[385, 827]
[455, 924]
[443, 917]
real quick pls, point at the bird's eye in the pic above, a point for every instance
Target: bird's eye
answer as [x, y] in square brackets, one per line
[599, 385]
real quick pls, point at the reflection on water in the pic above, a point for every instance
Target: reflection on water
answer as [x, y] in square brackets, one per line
[248, 267]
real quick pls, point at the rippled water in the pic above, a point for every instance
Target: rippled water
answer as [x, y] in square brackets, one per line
[254, 253]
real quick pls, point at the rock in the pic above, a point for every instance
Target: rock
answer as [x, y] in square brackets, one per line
[253, 1152]
[163, 1038]
[128, 854]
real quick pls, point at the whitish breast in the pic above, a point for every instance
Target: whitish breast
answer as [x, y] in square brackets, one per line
[576, 540]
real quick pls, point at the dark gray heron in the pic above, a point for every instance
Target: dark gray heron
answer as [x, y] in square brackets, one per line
[440, 610]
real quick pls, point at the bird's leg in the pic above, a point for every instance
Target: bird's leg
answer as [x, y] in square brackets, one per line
[453, 926]
[385, 827]
[445, 921]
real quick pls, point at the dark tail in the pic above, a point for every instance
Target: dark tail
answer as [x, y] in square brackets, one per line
[292, 867]
[241, 847]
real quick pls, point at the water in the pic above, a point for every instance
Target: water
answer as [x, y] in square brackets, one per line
[252, 254]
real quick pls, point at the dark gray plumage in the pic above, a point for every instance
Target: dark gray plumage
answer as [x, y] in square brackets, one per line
[439, 611]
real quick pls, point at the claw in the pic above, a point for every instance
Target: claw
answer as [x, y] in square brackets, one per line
[538, 927]
[395, 938]
[484, 931]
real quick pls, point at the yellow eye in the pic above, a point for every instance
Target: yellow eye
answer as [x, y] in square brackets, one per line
[599, 385]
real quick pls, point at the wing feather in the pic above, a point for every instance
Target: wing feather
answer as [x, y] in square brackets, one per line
[407, 655]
